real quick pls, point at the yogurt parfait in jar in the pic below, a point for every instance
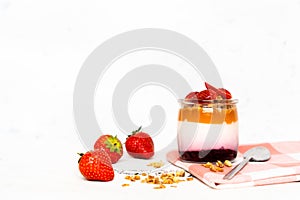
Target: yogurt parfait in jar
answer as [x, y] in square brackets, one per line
[208, 126]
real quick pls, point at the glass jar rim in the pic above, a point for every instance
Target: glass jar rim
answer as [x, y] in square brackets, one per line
[201, 102]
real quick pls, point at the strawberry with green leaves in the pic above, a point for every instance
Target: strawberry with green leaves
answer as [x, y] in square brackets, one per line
[96, 166]
[140, 145]
[112, 146]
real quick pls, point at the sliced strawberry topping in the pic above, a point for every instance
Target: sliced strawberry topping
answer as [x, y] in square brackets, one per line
[211, 93]
[207, 95]
[210, 87]
[192, 96]
[225, 94]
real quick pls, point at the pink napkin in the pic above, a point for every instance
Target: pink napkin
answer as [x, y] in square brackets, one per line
[283, 167]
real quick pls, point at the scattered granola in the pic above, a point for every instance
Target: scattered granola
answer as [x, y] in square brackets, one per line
[133, 178]
[156, 164]
[227, 163]
[144, 174]
[161, 186]
[207, 165]
[160, 179]
[213, 168]
[219, 164]
[180, 173]
[218, 167]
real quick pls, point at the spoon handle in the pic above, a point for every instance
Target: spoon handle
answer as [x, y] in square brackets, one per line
[236, 169]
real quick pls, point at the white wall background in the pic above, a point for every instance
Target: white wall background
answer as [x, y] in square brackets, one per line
[254, 44]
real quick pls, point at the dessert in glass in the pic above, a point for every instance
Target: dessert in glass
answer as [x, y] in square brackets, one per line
[208, 126]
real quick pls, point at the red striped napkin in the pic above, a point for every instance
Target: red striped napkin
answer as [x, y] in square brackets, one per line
[283, 167]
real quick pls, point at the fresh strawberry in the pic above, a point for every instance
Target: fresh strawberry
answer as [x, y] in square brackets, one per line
[96, 166]
[210, 87]
[140, 145]
[192, 96]
[112, 146]
[225, 94]
[207, 95]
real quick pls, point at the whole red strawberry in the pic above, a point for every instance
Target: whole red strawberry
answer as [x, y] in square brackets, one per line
[96, 166]
[111, 145]
[140, 145]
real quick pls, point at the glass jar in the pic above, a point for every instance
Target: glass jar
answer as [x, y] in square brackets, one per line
[207, 130]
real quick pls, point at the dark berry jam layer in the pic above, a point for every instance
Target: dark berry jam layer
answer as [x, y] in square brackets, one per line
[208, 155]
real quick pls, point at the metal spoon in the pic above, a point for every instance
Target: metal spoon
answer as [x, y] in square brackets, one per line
[258, 154]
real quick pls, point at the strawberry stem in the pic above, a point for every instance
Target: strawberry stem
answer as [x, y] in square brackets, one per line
[113, 144]
[136, 131]
[80, 154]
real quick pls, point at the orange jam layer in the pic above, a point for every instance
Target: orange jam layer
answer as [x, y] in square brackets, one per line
[208, 116]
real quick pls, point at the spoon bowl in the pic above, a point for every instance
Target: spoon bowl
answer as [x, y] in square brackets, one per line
[257, 154]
